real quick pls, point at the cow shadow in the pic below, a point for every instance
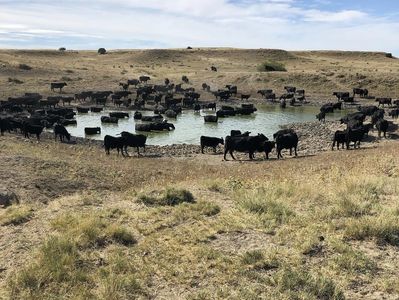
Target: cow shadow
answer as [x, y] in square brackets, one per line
[271, 159]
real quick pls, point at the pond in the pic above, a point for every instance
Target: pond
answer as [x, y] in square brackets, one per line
[190, 126]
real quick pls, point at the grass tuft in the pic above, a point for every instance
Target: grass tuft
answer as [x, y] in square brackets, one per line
[169, 197]
[271, 66]
[16, 215]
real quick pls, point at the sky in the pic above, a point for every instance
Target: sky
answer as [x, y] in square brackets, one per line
[367, 25]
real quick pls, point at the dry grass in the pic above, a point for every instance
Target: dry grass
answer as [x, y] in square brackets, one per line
[319, 72]
[322, 227]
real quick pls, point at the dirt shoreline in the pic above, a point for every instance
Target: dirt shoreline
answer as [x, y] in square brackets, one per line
[314, 137]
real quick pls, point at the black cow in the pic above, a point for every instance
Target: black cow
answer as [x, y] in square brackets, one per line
[162, 126]
[111, 142]
[239, 133]
[134, 140]
[5, 125]
[382, 126]
[185, 79]
[359, 116]
[377, 115]
[327, 108]
[156, 118]
[92, 130]
[265, 93]
[134, 82]
[143, 127]
[212, 142]
[341, 95]
[286, 141]
[384, 101]
[209, 106]
[245, 96]
[32, 129]
[82, 110]
[57, 85]
[268, 147]
[366, 128]
[368, 110]
[394, 113]
[109, 120]
[339, 139]
[250, 144]
[119, 115]
[211, 119]
[337, 105]
[361, 92]
[281, 132]
[96, 109]
[354, 135]
[321, 116]
[144, 78]
[137, 115]
[61, 131]
[290, 89]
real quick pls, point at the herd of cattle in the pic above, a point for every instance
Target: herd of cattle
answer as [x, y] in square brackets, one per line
[30, 114]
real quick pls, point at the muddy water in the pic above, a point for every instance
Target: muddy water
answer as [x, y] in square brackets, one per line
[190, 126]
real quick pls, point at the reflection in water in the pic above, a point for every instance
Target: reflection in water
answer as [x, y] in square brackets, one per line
[190, 126]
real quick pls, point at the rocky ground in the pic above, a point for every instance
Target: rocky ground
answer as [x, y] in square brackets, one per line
[314, 137]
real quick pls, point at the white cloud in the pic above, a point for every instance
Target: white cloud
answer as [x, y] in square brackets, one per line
[178, 23]
[341, 16]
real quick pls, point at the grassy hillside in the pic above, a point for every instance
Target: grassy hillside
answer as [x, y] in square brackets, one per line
[321, 227]
[319, 72]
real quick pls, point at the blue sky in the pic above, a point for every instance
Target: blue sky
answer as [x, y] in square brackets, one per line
[119, 24]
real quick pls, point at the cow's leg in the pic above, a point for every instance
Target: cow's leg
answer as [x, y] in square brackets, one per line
[332, 148]
[251, 155]
[290, 151]
[231, 154]
[296, 154]
[225, 152]
[202, 149]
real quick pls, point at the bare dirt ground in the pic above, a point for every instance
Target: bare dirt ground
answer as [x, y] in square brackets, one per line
[318, 72]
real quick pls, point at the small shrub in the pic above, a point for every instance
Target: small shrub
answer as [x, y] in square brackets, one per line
[272, 66]
[24, 67]
[16, 215]
[170, 197]
[15, 80]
